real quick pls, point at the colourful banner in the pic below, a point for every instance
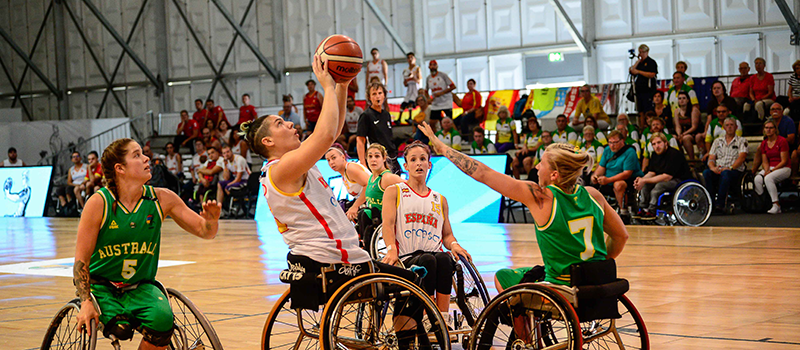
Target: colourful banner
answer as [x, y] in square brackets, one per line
[494, 101]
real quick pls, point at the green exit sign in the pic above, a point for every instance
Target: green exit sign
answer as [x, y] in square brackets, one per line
[556, 57]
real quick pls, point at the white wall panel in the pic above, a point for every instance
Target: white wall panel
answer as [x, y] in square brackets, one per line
[139, 102]
[470, 25]
[402, 20]
[221, 34]
[151, 32]
[41, 107]
[473, 68]
[439, 27]
[376, 35]
[93, 99]
[735, 49]
[246, 86]
[261, 18]
[199, 13]
[700, 54]
[780, 55]
[77, 106]
[738, 13]
[662, 53]
[538, 22]
[42, 57]
[396, 79]
[612, 62]
[243, 58]
[112, 109]
[19, 33]
[178, 43]
[128, 70]
[298, 53]
[296, 86]
[695, 14]
[504, 23]
[505, 72]
[5, 51]
[322, 26]
[181, 98]
[653, 16]
[349, 21]
[573, 10]
[613, 18]
[771, 12]
[268, 93]
[111, 50]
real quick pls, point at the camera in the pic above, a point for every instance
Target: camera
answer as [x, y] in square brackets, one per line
[632, 53]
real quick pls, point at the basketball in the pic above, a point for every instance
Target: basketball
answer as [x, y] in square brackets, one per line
[343, 55]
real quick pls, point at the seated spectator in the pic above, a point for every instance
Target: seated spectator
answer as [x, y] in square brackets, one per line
[762, 89]
[740, 89]
[200, 157]
[239, 146]
[470, 103]
[223, 132]
[348, 136]
[564, 133]
[726, 158]
[530, 141]
[720, 97]
[422, 116]
[215, 113]
[12, 160]
[774, 153]
[173, 160]
[235, 173]
[208, 173]
[599, 135]
[146, 150]
[681, 66]
[289, 114]
[209, 140]
[688, 128]
[629, 141]
[794, 93]
[632, 131]
[592, 146]
[716, 130]
[76, 183]
[657, 125]
[247, 112]
[94, 176]
[590, 106]
[529, 163]
[200, 113]
[785, 129]
[618, 167]
[660, 109]
[449, 134]
[672, 95]
[667, 168]
[506, 131]
[188, 131]
[481, 144]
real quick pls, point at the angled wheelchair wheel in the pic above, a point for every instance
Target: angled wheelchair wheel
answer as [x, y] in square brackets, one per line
[377, 248]
[367, 311]
[628, 332]
[527, 316]
[63, 331]
[288, 328]
[691, 204]
[469, 290]
[199, 332]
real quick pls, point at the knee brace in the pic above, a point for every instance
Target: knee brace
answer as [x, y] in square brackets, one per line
[157, 338]
[120, 327]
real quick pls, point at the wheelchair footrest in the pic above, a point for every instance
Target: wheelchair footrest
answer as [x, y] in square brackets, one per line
[607, 290]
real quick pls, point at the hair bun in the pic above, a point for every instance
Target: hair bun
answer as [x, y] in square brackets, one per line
[245, 128]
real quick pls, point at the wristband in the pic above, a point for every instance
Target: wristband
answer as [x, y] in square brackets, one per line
[451, 245]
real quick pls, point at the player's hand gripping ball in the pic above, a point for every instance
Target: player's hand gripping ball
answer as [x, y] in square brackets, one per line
[343, 56]
[8, 184]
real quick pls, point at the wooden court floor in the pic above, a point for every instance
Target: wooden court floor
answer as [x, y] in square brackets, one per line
[697, 288]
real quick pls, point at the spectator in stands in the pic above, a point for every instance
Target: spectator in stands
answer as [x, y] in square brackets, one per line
[412, 80]
[377, 68]
[198, 159]
[656, 126]
[794, 92]
[592, 146]
[644, 71]
[680, 86]
[564, 133]
[681, 66]
[716, 128]
[423, 115]
[223, 132]
[215, 113]
[449, 134]
[660, 109]
[348, 136]
[208, 173]
[94, 175]
[246, 112]
[471, 102]
[209, 139]
[618, 167]
[352, 89]
[667, 168]
[440, 86]
[599, 135]
[481, 144]
[239, 146]
[762, 88]
[188, 131]
[632, 132]
[786, 127]
[726, 158]
[740, 89]
[235, 173]
[590, 106]
[506, 131]
[173, 160]
[155, 158]
[289, 114]
[688, 128]
[200, 113]
[530, 141]
[529, 163]
[312, 105]
[774, 153]
[77, 179]
[629, 140]
[375, 126]
[12, 160]
[211, 126]
[424, 93]
[720, 97]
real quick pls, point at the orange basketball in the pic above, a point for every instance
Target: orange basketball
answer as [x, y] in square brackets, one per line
[343, 56]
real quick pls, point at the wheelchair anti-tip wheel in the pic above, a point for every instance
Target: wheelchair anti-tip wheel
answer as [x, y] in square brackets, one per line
[198, 330]
[627, 332]
[287, 328]
[691, 204]
[366, 311]
[63, 331]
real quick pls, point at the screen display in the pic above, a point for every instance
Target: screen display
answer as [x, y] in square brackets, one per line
[25, 191]
[468, 200]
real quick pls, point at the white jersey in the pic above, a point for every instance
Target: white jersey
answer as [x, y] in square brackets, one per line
[439, 83]
[419, 221]
[353, 188]
[78, 175]
[7, 163]
[351, 119]
[172, 164]
[196, 163]
[238, 165]
[412, 90]
[311, 221]
[238, 150]
[375, 69]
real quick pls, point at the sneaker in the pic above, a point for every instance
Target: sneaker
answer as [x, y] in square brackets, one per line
[776, 209]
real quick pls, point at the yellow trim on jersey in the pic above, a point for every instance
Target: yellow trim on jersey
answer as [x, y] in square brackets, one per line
[295, 194]
[141, 200]
[158, 204]
[399, 190]
[565, 278]
[552, 215]
[381, 179]
[596, 202]
[105, 209]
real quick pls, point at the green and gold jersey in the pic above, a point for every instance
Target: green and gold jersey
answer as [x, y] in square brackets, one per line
[374, 192]
[129, 240]
[573, 234]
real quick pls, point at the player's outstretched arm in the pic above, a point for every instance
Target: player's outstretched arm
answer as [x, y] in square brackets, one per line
[203, 225]
[612, 226]
[526, 192]
[88, 229]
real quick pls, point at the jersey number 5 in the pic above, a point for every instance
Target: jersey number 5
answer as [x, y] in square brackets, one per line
[127, 268]
[584, 226]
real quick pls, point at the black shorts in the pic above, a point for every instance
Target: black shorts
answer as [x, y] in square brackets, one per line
[608, 189]
[408, 104]
[436, 114]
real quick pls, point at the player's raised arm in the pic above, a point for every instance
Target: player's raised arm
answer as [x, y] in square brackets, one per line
[203, 225]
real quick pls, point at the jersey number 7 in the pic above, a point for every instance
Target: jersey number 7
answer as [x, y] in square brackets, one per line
[584, 226]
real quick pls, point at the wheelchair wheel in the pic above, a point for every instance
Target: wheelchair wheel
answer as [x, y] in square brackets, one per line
[527, 316]
[691, 204]
[377, 248]
[628, 332]
[469, 290]
[361, 314]
[285, 329]
[199, 332]
[63, 331]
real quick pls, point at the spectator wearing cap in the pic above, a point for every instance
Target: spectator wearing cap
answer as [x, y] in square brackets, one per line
[644, 72]
[440, 86]
[12, 160]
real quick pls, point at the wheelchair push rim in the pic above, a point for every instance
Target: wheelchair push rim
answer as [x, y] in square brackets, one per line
[627, 332]
[63, 332]
[692, 204]
[286, 329]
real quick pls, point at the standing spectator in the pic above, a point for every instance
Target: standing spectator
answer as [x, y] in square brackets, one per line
[375, 126]
[173, 160]
[668, 167]
[188, 131]
[471, 102]
[681, 66]
[720, 97]
[740, 88]
[412, 80]
[95, 173]
[632, 132]
[644, 71]
[716, 128]
[688, 127]
[506, 128]
[312, 105]
[794, 92]
[289, 114]
[239, 146]
[440, 86]
[348, 136]
[377, 68]
[223, 132]
[618, 167]
[246, 112]
[481, 144]
[774, 153]
[200, 113]
[235, 173]
[590, 106]
[726, 159]
[660, 109]
[12, 160]
[215, 113]
[762, 88]
[656, 126]
[449, 134]
[564, 133]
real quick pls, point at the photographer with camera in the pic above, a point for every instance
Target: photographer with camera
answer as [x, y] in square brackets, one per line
[643, 73]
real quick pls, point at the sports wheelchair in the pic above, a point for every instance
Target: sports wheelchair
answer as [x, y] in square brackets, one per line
[363, 313]
[689, 204]
[592, 313]
[192, 328]
[469, 295]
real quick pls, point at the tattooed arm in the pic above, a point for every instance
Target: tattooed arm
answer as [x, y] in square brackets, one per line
[88, 229]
